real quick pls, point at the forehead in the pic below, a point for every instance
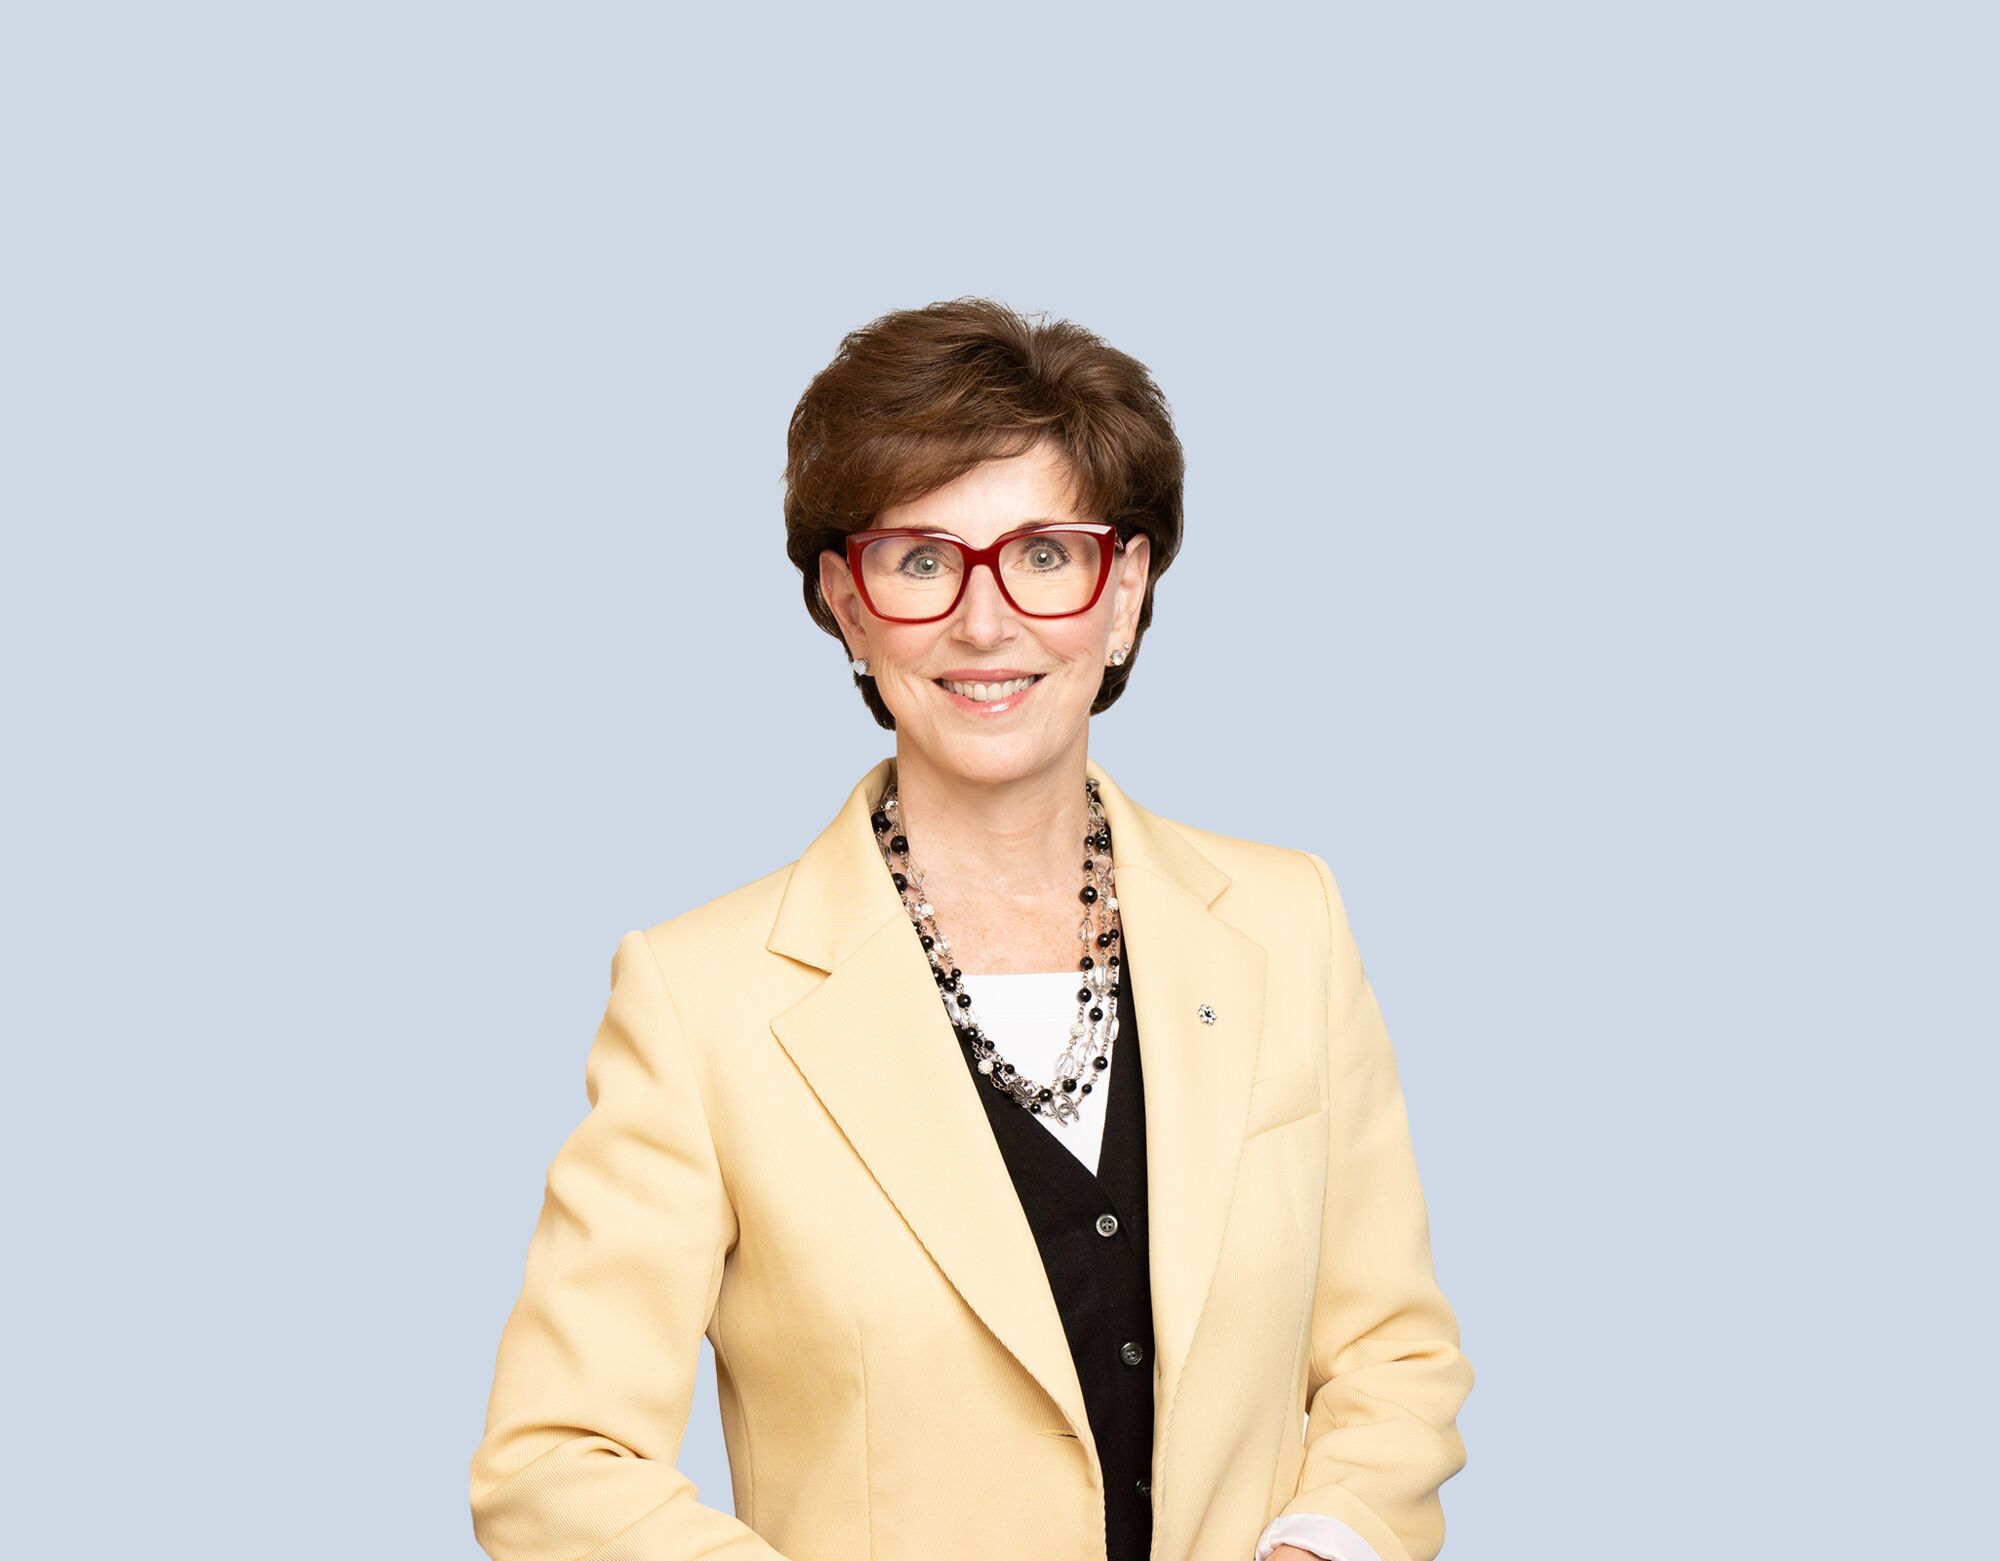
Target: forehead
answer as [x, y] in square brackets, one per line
[994, 497]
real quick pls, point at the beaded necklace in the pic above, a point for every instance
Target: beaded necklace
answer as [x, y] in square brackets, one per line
[1088, 1052]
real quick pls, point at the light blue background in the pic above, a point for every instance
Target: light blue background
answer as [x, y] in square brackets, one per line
[1590, 551]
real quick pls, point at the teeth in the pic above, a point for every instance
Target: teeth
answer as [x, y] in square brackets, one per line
[986, 693]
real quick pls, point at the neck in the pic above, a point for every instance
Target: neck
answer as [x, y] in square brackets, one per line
[1016, 836]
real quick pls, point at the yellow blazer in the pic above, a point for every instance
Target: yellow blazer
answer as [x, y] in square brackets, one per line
[785, 1152]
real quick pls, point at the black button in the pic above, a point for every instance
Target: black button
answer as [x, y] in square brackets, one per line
[1132, 1353]
[1107, 1224]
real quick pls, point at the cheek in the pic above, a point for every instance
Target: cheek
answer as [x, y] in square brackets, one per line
[1075, 642]
[906, 649]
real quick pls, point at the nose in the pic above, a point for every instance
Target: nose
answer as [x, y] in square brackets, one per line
[983, 609]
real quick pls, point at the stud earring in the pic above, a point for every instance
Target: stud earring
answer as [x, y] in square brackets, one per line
[860, 666]
[1118, 655]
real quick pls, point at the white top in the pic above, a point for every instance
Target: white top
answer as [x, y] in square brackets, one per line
[1027, 1015]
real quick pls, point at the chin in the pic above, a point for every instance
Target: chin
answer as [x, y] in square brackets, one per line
[996, 759]
[998, 750]
[993, 760]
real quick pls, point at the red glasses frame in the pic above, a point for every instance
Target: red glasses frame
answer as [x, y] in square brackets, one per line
[990, 557]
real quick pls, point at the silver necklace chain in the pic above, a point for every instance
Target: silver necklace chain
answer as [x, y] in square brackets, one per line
[1087, 1055]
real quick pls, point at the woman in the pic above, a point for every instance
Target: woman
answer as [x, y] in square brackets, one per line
[1035, 1165]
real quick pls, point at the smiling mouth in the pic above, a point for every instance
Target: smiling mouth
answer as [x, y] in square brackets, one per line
[988, 693]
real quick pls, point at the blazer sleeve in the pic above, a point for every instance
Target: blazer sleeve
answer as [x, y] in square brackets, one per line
[1385, 1378]
[596, 1366]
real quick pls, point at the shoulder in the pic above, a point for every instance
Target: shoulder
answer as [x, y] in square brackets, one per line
[1282, 896]
[1288, 900]
[716, 936]
[1260, 870]
[1268, 882]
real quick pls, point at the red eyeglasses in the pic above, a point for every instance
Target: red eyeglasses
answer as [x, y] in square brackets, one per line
[1045, 571]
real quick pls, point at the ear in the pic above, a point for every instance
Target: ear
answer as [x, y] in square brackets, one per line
[1129, 591]
[836, 589]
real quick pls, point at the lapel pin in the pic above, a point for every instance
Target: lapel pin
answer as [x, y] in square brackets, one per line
[1207, 1014]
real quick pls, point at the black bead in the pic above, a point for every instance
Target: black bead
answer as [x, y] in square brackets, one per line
[929, 942]
[1104, 940]
[1006, 1069]
[1069, 1086]
[965, 1000]
[902, 883]
[1096, 1014]
[879, 819]
[1086, 963]
[1100, 1062]
[1035, 1107]
[1083, 994]
[1085, 1090]
[899, 844]
[1047, 1094]
[1089, 894]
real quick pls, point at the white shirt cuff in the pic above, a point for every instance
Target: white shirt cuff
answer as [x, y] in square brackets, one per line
[1328, 1538]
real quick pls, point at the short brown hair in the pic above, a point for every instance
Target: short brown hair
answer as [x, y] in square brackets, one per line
[919, 397]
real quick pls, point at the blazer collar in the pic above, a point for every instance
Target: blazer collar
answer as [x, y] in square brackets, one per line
[874, 1043]
[839, 893]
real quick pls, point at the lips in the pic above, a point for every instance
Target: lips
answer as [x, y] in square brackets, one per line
[989, 697]
[989, 688]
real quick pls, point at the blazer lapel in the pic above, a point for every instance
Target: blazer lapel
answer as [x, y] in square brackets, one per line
[1197, 1074]
[874, 1043]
